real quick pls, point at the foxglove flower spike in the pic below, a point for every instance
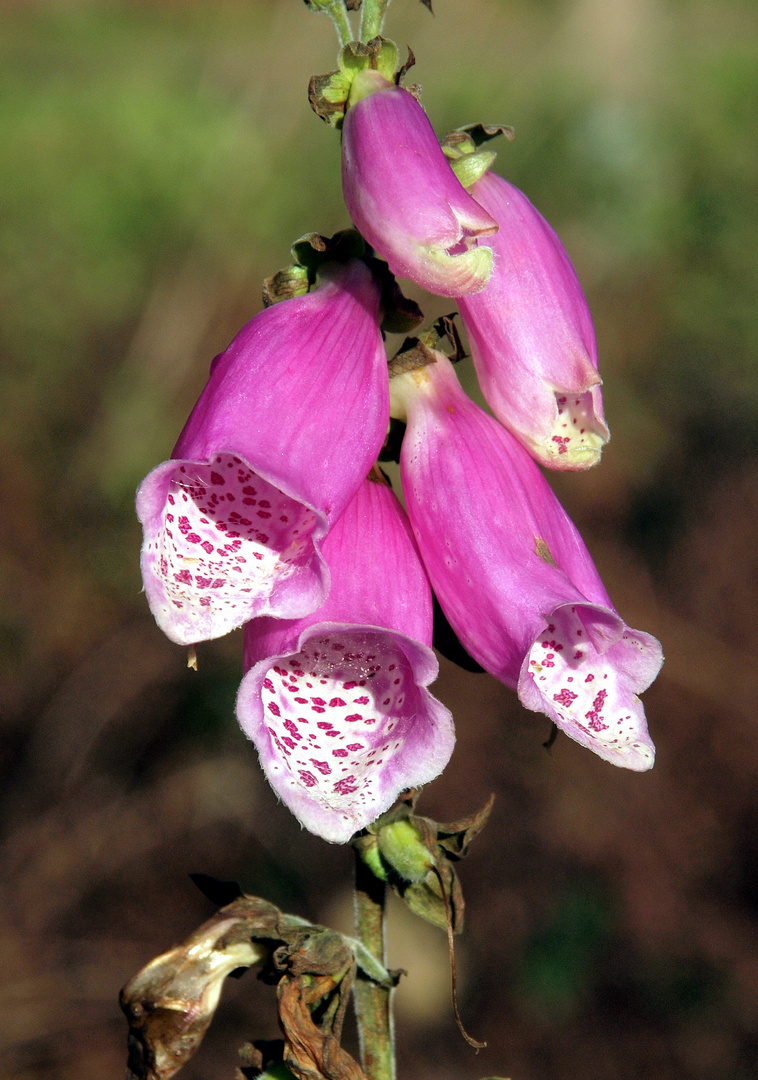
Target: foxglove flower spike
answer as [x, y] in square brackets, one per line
[291, 419]
[336, 703]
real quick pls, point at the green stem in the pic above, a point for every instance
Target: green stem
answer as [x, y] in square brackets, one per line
[337, 12]
[373, 1003]
[372, 18]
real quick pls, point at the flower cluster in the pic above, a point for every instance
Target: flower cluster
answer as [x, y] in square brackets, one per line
[272, 514]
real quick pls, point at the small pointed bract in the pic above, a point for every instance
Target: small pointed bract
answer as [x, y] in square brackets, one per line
[531, 336]
[336, 703]
[404, 197]
[289, 423]
[513, 575]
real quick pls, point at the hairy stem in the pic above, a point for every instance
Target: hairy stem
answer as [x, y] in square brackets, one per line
[372, 18]
[373, 1003]
[337, 12]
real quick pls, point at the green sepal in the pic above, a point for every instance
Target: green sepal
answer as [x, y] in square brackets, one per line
[368, 849]
[402, 846]
[471, 167]
[479, 134]
[285, 284]
[425, 899]
[380, 54]
[416, 856]
[328, 94]
[461, 148]
[310, 253]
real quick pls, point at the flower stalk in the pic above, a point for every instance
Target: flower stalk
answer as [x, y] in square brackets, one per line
[372, 18]
[337, 12]
[373, 1002]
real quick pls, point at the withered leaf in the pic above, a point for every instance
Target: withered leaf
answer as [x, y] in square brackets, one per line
[170, 1003]
[312, 1052]
[457, 835]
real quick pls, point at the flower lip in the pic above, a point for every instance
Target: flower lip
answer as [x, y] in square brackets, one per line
[224, 545]
[587, 682]
[344, 721]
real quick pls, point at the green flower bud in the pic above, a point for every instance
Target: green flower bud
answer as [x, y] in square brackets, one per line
[401, 845]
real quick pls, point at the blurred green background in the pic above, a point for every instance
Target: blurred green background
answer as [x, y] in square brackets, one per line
[157, 160]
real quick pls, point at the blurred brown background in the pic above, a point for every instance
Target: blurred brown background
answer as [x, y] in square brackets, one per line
[157, 161]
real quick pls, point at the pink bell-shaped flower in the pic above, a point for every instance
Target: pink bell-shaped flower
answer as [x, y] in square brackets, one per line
[512, 574]
[404, 197]
[531, 336]
[289, 423]
[336, 703]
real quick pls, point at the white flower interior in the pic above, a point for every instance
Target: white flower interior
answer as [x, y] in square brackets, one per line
[339, 713]
[589, 692]
[227, 539]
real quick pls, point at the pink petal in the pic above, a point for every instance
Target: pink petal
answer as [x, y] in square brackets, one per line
[511, 572]
[406, 200]
[291, 420]
[531, 336]
[336, 703]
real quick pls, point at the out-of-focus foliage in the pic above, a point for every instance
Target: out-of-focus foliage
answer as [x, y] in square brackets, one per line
[156, 162]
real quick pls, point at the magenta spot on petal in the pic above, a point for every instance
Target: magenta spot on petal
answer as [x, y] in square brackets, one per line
[197, 529]
[333, 668]
[346, 786]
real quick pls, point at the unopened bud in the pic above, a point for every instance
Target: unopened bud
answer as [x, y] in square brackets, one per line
[402, 846]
